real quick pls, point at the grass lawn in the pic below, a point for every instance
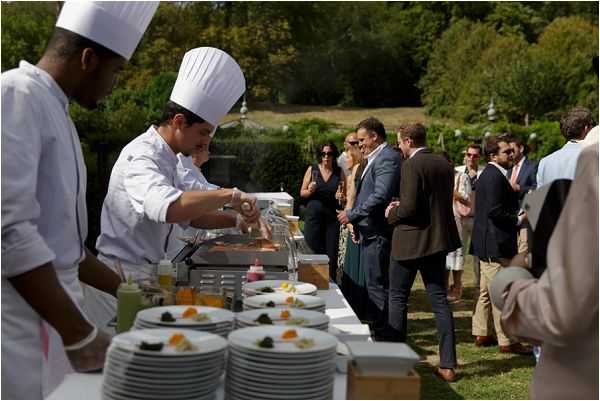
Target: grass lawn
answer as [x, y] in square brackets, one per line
[482, 373]
[276, 115]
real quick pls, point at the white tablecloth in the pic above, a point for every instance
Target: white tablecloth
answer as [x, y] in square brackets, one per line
[343, 323]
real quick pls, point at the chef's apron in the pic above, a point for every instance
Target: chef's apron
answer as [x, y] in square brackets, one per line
[34, 361]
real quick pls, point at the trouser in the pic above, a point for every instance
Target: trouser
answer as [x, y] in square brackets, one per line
[322, 236]
[402, 277]
[374, 258]
[467, 231]
[483, 308]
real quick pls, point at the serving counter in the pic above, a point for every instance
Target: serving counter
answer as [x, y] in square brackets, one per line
[343, 323]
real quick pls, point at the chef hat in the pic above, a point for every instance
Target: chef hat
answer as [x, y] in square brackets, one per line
[116, 25]
[208, 84]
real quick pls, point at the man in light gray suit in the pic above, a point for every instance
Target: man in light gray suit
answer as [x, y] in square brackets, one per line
[377, 180]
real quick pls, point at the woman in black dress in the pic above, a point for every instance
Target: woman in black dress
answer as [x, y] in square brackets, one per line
[321, 183]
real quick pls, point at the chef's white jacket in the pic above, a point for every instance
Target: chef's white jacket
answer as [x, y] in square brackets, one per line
[44, 219]
[143, 183]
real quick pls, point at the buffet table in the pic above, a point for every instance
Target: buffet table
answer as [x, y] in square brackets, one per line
[343, 323]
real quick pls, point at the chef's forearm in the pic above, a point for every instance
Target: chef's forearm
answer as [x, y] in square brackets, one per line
[96, 274]
[192, 204]
[43, 292]
[216, 219]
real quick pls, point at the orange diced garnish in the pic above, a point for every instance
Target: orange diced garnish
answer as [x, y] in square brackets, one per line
[285, 314]
[189, 312]
[289, 334]
[176, 339]
[289, 300]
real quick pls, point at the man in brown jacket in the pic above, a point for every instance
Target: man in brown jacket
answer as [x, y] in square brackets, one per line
[424, 233]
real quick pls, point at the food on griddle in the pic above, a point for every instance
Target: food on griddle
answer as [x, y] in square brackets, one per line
[144, 346]
[259, 244]
[264, 318]
[266, 342]
[167, 317]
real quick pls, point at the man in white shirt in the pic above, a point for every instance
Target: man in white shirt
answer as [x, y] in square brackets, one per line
[44, 217]
[574, 126]
[146, 196]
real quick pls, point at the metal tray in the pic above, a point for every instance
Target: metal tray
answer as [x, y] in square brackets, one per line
[238, 258]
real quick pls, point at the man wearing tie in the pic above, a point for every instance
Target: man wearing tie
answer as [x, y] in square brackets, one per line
[377, 181]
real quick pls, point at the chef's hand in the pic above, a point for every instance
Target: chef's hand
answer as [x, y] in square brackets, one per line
[241, 224]
[89, 356]
[390, 207]
[343, 217]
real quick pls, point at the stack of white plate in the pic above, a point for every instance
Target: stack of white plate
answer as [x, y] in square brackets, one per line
[131, 373]
[284, 371]
[219, 321]
[297, 317]
[309, 302]
[279, 286]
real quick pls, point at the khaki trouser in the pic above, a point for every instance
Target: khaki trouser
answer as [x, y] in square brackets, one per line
[522, 241]
[483, 308]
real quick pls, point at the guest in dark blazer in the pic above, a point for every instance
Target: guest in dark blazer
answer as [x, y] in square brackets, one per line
[377, 180]
[494, 239]
[522, 174]
[424, 233]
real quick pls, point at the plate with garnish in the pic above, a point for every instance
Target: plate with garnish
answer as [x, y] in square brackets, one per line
[310, 302]
[280, 287]
[283, 317]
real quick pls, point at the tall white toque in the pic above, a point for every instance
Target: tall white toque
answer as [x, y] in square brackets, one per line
[116, 25]
[208, 84]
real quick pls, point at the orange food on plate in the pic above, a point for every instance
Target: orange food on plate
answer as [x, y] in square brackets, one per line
[289, 300]
[285, 314]
[189, 312]
[289, 334]
[176, 339]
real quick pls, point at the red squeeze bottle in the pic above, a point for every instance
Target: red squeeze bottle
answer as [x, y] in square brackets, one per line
[255, 272]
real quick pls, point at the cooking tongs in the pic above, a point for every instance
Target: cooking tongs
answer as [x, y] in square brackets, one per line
[191, 246]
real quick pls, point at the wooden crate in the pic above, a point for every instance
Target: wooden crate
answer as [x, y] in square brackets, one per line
[360, 387]
[317, 274]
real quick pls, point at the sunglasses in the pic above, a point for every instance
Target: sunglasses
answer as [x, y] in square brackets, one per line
[323, 154]
[508, 152]
[474, 155]
[353, 143]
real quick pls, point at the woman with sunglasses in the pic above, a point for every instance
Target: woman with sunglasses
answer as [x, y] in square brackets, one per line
[319, 187]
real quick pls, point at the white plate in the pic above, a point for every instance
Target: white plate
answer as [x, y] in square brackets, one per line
[274, 386]
[313, 318]
[206, 343]
[160, 372]
[279, 359]
[260, 301]
[129, 385]
[247, 338]
[157, 359]
[116, 394]
[217, 315]
[246, 389]
[299, 288]
[283, 377]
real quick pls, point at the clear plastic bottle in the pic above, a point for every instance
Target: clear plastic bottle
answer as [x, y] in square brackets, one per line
[256, 272]
[165, 273]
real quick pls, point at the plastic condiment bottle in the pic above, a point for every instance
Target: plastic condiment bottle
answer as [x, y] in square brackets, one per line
[255, 272]
[129, 303]
[165, 273]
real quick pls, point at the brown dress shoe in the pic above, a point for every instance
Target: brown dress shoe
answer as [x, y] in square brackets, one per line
[484, 341]
[445, 374]
[516, 348]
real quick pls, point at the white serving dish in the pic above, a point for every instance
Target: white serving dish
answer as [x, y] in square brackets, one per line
[382, 358]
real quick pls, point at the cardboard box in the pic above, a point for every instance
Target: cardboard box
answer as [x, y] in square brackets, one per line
[314, 269]
[360, 387]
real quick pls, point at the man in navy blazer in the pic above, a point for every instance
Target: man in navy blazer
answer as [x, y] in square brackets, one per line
[522, 174]
[377, 180]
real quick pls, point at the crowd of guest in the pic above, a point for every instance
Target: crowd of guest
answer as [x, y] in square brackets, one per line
[404, 209]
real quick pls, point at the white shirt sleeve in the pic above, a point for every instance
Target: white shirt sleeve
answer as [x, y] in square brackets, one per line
[149, 190]
[23, 248]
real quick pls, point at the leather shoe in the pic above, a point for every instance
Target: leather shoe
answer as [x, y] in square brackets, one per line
[445, 374]
[484, 341]
[516, 348]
